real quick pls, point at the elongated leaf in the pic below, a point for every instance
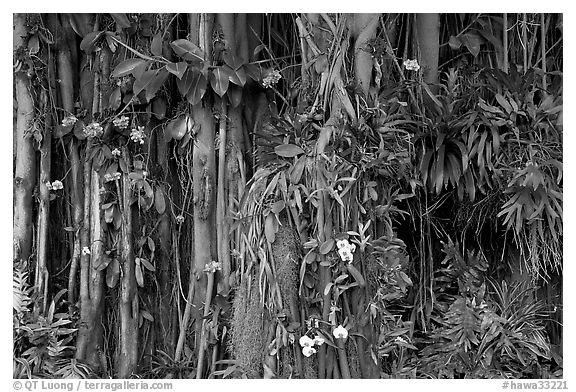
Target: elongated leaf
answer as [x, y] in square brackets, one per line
[177, 69]
[270, 228]
[156, 45]
[126, 67]
[233, 61]
[357, 275]
[219, 79]
[288, 150]
[198, 86]
[156, 82]
[113, 273]
[139, 275]
[89, 42]
[159, 201]
[79, 23]
[186, 81]
[234, 95]
[439, 177]
[327, 246]
[121, 20]
[187, 50]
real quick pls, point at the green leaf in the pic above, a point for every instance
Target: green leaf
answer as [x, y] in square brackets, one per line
[121, 20]
[115, 99]
[187, 50]
[126, 67]
[237, 77]
[234, 95]
[270, 228]
[232, 61]
[139, 274]
[159, 201]
[198, 86]
[185, 82]
[176, 129]
[219, 78]
[440, 169]
[177, 69]
[156, 45]
[504, 103]
[102, 262]
[156, 82]
[147, 264]
[357, 275]
[159, 108]
[113, 273]
[327, 246]
[288, 150]
[89, 42]
[454, 42]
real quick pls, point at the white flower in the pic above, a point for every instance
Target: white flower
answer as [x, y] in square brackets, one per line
[212, 266]
[305, 341]
[272, 78]
[342, 243]
[318, 340]
[345, 254]
[399, 339]
[93, 130]
[137, 135]
[85, 250]
[48, 185]
[340, 332]
[180, 219]
[411, 65]
[352, 248]
[307, 351]
[69, 120]
[111, 176]
[144, 174]
[116, 153]
[57, 185]
[121, 122]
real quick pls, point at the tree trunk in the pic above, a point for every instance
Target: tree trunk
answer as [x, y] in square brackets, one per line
[25, 164]
[428, 27]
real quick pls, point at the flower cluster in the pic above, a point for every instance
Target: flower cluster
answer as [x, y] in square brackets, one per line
[346, 250]
[69, 120]
[272, 78]
[111, 176]
[85, 250]
[411, 65]
[340, 332]
[138, 135]
[307, 344]
[212, 266]
[54, 186]
[180, 219]
[93, 130]
[116, 153]
[121, 122]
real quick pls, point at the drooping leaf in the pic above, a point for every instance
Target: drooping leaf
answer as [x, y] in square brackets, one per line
[102, 262]
[115, 99]
[327, 246]
[198, 86]
[121, 20]
[79, 24]
[288, 150]
[270, 228]
[89, 42]
[356, 274]
[177, 69]
[219, 79]
[187, 50]
[454, 42]
[185, 82]
[159, 108]
[234, 95]
[176, 129]
[253, 71]
[159, 201]
[233, 61]
[127, 67]
[237, 77]
[139, 274]
[157, 82]
[113, 273]
[156, 45]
